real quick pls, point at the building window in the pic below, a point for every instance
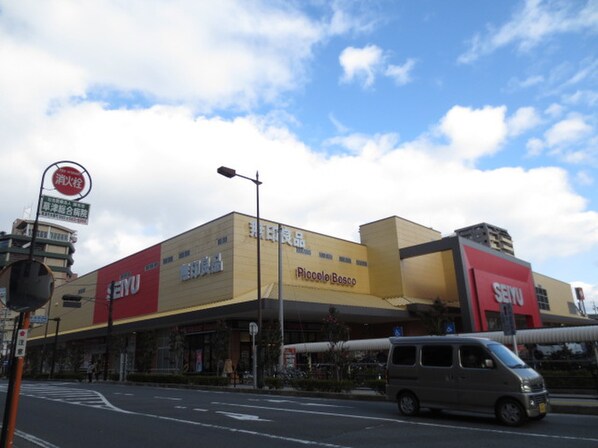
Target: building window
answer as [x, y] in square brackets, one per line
[301, 250]
[167, 260]
[184, 253]
[361, 263]
[222, 240]
[150, 266]
[542, 297]
[326, 255]
[345, 260]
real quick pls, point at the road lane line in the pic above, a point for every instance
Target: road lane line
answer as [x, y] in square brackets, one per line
[35, 440]
[408, 422]
[244, 431]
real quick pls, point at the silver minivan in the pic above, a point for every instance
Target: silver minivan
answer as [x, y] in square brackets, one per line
[466, 374]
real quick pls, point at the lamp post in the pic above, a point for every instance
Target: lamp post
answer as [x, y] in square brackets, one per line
[57, 320]
[230, 173]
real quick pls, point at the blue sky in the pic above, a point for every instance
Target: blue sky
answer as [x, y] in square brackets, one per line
[447, 113]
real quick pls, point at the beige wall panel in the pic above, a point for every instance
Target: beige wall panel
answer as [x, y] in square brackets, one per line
[381, 238]
[200, 242]
[411, 234]
[559, 294]
[425, 277]
[71, 318]
[307, 258]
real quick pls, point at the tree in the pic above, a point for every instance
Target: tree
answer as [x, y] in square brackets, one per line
[220, 344]
[74, 356]
[336, 332]
[146, 349]
[271, 340]
[177, 345]
[435, 318]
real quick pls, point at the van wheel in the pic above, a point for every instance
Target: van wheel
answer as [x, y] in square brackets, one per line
[408, 403]
[510, 412]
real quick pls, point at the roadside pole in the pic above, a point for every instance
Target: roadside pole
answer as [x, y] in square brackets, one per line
[14, 388]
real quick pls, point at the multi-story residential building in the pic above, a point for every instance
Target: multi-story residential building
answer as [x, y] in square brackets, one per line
[489, 235]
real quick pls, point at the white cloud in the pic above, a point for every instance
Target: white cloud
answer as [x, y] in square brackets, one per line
[361, 63]
[517, 84]
[589, 97]
[534, 147]
[532, 24]
[524, 119]
[365, 64]
[154, 174]
[567, 131]
[474, 133]
[401, 74]
[554, 110]
[236, 55]
[584, 177]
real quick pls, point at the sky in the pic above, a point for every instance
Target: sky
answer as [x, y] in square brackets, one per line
[445, 113]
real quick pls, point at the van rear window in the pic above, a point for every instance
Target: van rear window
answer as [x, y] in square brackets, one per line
[437, 355]
[404, 355]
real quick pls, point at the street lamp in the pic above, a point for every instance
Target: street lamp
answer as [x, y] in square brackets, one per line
[230, 173]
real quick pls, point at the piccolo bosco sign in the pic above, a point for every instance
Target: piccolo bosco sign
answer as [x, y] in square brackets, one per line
[324, 277]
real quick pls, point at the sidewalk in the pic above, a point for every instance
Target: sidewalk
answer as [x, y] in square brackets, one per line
[574, 404]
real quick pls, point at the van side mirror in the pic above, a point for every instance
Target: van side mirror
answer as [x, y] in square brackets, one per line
[488, 364]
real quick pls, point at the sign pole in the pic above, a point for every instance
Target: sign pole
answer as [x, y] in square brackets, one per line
[24, 295]
[14, 389]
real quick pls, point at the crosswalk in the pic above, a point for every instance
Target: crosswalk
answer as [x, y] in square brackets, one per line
[65, 394]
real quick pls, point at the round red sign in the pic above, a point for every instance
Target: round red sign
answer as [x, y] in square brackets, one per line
[68, 180]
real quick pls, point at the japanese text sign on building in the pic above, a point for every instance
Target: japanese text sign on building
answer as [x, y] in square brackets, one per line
[202, 267]
[270, 233]
[68, 180]
[64, 209]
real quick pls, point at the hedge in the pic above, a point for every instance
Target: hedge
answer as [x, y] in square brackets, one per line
[309, 384]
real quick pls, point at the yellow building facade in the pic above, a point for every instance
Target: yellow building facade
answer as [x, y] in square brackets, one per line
[193, 284]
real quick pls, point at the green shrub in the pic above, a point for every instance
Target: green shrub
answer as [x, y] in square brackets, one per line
[273, 383]
[309, 384]
[206, 380]
[157, 378]
[79, 376]
[377, 385]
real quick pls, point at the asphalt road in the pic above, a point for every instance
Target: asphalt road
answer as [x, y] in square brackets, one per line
[75, 415]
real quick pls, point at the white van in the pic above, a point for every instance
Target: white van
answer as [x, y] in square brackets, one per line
[466, 374]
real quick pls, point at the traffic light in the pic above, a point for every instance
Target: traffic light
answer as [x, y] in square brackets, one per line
[71, 301]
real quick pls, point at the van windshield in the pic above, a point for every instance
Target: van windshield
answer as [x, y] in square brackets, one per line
[508, 358]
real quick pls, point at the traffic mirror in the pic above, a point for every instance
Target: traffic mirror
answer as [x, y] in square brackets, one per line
[26, 285]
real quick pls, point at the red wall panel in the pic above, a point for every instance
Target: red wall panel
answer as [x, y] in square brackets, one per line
[137, 281]
[494, 279]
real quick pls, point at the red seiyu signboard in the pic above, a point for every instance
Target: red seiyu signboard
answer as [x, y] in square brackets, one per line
[494, 280]
[136, 284]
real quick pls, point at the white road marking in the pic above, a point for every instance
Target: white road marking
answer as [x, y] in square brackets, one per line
[414, 423]
[34, 440]
[250, 417]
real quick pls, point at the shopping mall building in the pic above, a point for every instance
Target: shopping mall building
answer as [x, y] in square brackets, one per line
[192, 283]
